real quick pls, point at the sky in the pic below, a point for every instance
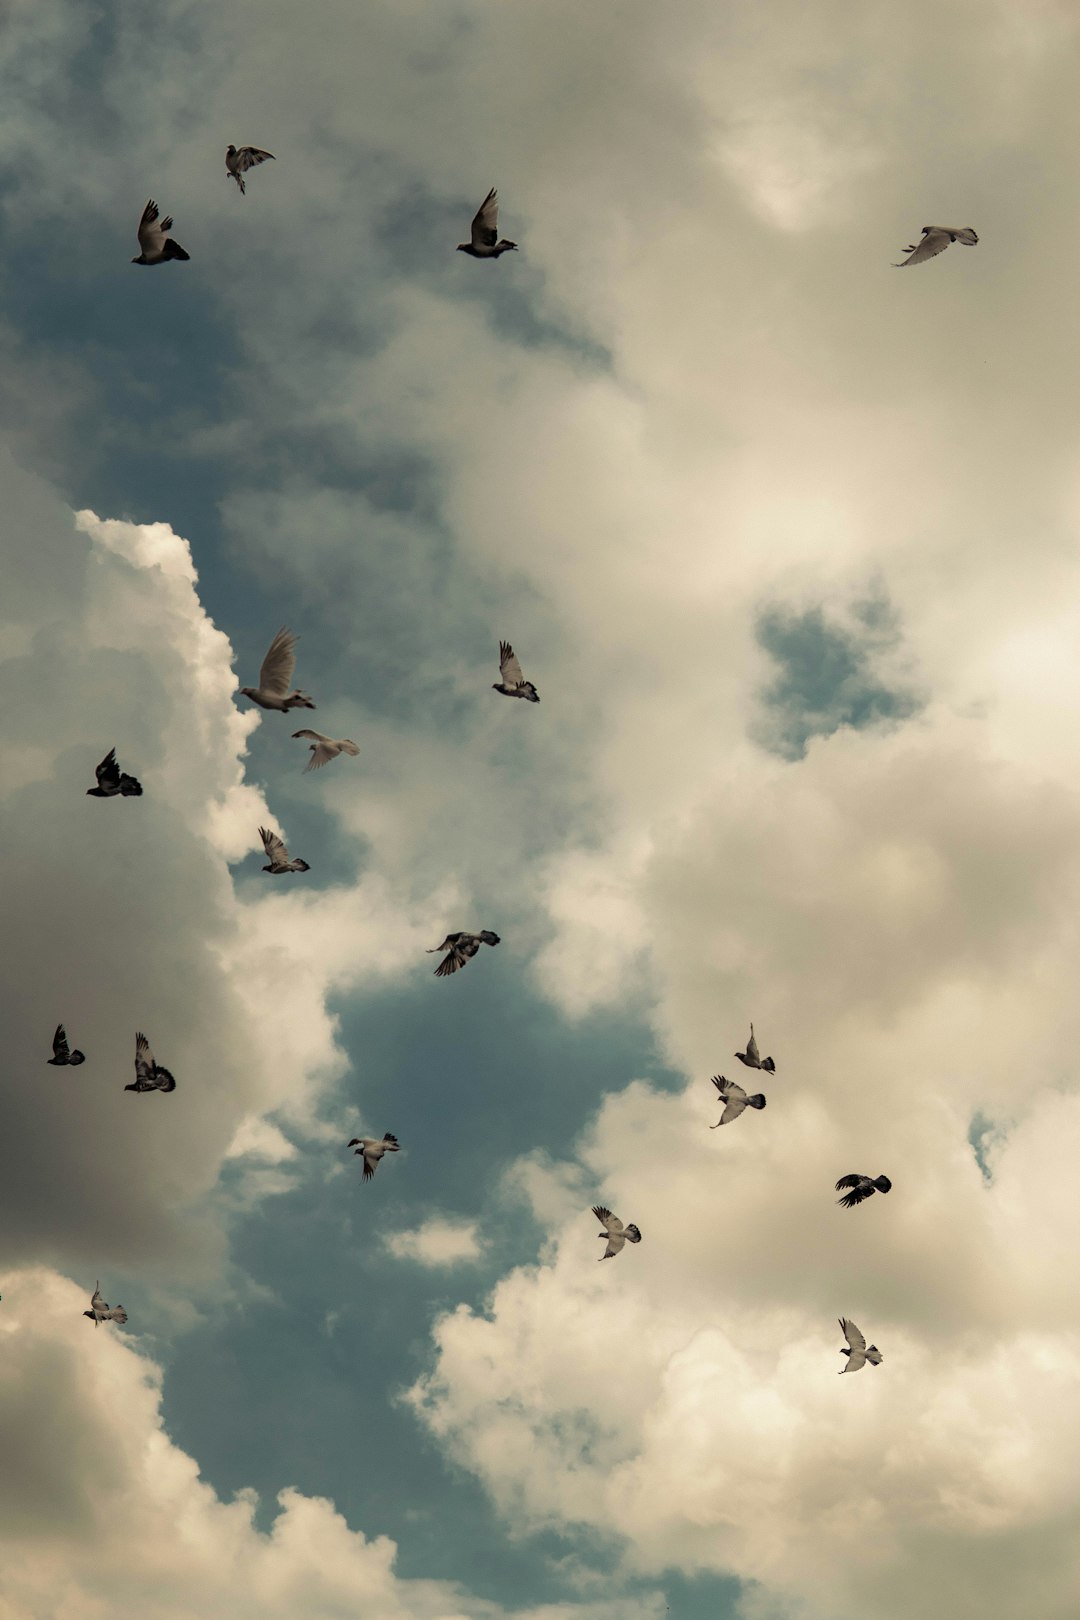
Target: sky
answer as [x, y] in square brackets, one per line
[787, 541]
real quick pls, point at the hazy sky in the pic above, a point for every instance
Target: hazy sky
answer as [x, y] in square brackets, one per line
[787, 540]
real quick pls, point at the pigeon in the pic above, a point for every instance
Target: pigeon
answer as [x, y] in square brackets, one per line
[324, 749]
[462, 948]
[859, 1350]
[735, 1100]
[275, 677]
[751, 1057]
[149, 1075]
[62, 1053]
[239, 159]
[617, 1234]
[100, 1312]
[111, 781]
[485, 242]
[935, 239]
[154, 239]
[862, 1187]
[513, 683]
[372, 1148]
[278, 855]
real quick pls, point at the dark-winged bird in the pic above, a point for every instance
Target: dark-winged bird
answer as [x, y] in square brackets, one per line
[935, 239]
[485, 243]
[372, 1148]
[461, 948]
[278, 855]
[616, 1233]
[858, 1350]
[735, 1100]
[275, 677]
[861, 1187]
[149, 1075]
[100, 1312]
[155, 243]
[239, 159]
[62, 1053]
[513, 683]
[112, 781]
[751, 1057]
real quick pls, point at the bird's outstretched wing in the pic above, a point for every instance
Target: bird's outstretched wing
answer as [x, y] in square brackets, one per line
[485, 225]
[320, 753]
[852, 1335]
[144, 1060]
[752, 1047]
[734, 1100]
[249, 157]
[108, 772]
[273, 845]
[509, 666]
[59, 1044]
[151, 229]
[934, 241]
[96, 1301]
[278, 666]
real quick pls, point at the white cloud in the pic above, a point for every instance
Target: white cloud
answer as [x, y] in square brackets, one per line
[438, 1241]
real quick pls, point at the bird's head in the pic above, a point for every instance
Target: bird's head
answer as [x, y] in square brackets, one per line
[140, 260]
[355, 1142]
[463, 247]
[247, 691]
[91, 1315]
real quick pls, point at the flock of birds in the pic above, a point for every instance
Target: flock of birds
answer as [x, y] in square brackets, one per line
[275, 692]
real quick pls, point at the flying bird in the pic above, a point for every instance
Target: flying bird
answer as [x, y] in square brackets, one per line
[485, 243]
[324, 749]
[858, 1351]
[735, 1100]
[100, 1312]
[617, 1234]
[861, 1187]
[154, 240]
[239, 159]
[513, 683]
[935, 239]
[372, 1148]
[461, 948]
[278, 855]
[275, 677]
[752, 1058]
[62, 1053]
[149, 1075]
[111, 781]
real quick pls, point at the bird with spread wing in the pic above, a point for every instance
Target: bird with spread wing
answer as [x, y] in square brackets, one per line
[935, 239]
[616, 1233]
[156, 246]
[324, 749]
[277, 854]
[149, 1074]
[62, 1053]
[858, 1351]
[372, 1148]
[735, 1100]
[513, 683]
[862, 1187]
[275, 677]
[460, 949]
[239, 159]
[484, 240]
[100, 1312]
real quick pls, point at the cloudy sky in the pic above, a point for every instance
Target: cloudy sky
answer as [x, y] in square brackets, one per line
[788, 542]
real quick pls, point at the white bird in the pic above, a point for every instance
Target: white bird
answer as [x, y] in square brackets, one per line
[462, 948]
[751, 1057]
[155, 244]
[62, 1053]
[513, 683]
[278, 855]
[617, 1234]
[372, 1148]
[149, 1075]
[239, 159]
[935, 239]
[859, 1351]
[275, 677]
[100, 1312]
[324, 749]
[735, 1100]
[485, 243]
[862, 1187]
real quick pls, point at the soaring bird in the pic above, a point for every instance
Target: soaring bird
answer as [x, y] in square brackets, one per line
[156, 245]
[372, 1148]
[111, 781]
[861, 1187]
[100, 1312]
[751, 1057]
[513, 683]
[485, 243]
[324, 749]
[858, 1351]
[735, 1100]
[276, 675]
[278, 855]
[617, 1234]
[461, 948]
[62, 1053]
[935, 239]
[239, 159]
[149, 1075]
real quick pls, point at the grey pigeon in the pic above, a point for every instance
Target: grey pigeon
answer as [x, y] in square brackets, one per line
[735, 1100]
[100, 1312]
[239, 159]
[372, 1148]
[616, 1233]
[62, 1053]
[858, 1350]
[935, 239]
[157, 246]
[112, 782]
[861, 1187]
[324, 749]
[278, 855]
[275, 677]
[513, 683]
[149, 1075]
[751, 1057]
[485, 243]
[461, 948]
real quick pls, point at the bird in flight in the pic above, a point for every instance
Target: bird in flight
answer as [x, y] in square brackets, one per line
[513, 683]
[155, 244]
[935, 239]
[324, 749]
[62, 1053]
[735, 1100]
[752, 1058]
[149, 1075]
[861, 1187]
[858, 1350]
[239, 159]
[278, 855]
[111, 781]
[616, 1233]
[100, 1312]
[485, 243]
[372, 1148]
[461, 948]
[275, 677]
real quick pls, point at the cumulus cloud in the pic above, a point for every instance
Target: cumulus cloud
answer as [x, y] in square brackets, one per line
[437, 1242]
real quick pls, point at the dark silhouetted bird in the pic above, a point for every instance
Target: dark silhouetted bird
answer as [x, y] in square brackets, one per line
[461, 948]
[485, 242]
[112, 782]
[861, 1187]
[149, 1075]
[616, 1233]
[62, 1053]
[735, 1100]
